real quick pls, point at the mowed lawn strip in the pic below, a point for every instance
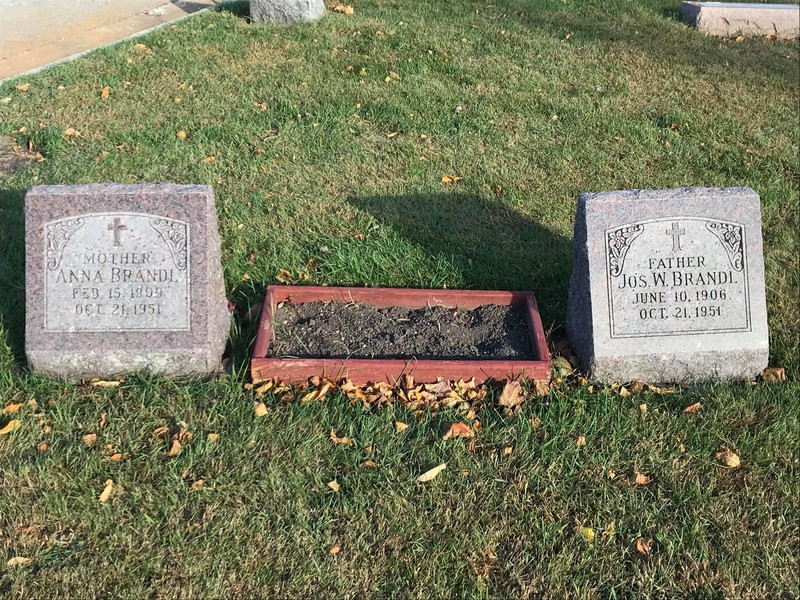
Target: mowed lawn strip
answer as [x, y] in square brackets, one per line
[327, 145]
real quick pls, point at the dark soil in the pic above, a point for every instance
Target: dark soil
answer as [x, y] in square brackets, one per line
[337, 330]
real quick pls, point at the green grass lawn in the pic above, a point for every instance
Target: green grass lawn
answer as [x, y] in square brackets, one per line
[329, 142]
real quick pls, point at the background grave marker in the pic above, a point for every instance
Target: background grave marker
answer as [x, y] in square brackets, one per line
[729, 19]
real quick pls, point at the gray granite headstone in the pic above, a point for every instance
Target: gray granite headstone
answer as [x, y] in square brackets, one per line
[668, 285]
[123, 278]
[729, 19]
[284, 12]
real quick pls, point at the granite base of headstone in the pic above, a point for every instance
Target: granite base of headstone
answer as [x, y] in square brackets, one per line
[668, 285]
[730, 19]
[284, 12]
[123, 278]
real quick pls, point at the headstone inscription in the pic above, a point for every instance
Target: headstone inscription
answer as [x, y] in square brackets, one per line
[123, 278]
[668, 285]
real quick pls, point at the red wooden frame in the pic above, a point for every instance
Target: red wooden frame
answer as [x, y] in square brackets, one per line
[370, 370]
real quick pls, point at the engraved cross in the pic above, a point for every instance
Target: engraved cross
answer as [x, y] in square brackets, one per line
[676, 234]
[117, 227]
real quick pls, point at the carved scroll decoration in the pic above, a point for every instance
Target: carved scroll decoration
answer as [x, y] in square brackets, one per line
[174, 234]
[56, 238]
[730, 235]
[619, 241]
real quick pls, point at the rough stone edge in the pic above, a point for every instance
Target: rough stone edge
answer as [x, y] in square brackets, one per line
[182, 363]
[218, 326]
[580, 322]
[682, 367]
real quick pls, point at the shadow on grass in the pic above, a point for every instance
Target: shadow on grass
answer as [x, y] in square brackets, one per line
[12, 270]
[492, 245]
[652, 30]
[239, 8]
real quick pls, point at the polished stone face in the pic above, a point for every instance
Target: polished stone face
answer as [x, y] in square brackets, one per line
[123, 278]
[668, 285]
[676, 276]
[117, 272]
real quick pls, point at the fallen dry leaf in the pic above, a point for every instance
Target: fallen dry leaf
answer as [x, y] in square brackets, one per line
[581, 441]
[511, 395]
[18, 561]
[541, 388]
[43, 447]
[260, 409]
[642, 479]
[141, 48]
[181, 135]
[623, 392]
[23, 87]
[507, 450]
[90, 439]
[197, 485]
[659, 390]
[693, 408]
[208, 159]
[461, 430]
[400, 426]
[773, 375]
[369, 464]
[431, 473]
[340, 440]
[213, 438]
[263, 389]
[12, 425]
[10, 409]
[344, 9]
[586, 533]
[643, 408]
[102, 383]
[450, 179]
[643, 546]
[105, 495]
[175, 449]
[561, 364]
[334, 485]
[608, 530]
[442, 386]
[106, 91]
[334, 550]
[160, 432]
[728, 458]
[72, 132]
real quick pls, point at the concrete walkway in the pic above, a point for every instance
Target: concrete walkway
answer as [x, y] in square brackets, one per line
[38, 33]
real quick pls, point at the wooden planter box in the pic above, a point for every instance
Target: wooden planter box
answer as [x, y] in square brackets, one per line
[370, 370]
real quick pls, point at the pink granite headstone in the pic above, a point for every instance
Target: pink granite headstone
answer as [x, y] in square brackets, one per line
[123, 278]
